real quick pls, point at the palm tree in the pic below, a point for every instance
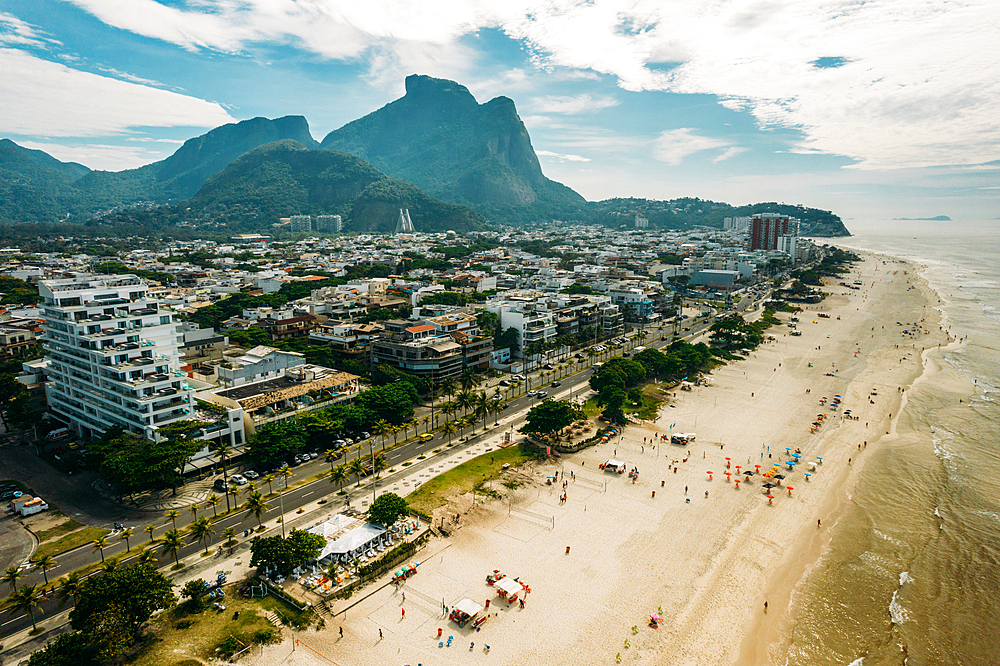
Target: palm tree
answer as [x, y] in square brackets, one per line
[213, 501]
[426, 420]
[172, 543]
[379, 464]
[26, 599]
[497, 410]
[483, 406]
[464, 401]
[286, 473]
[172, 515]
[126, 535]
[45, 563]
[467, 380]
[201, 530]
[395, 430]
[100, 543]
[149, 529]
[448, 386]
[331, 457]
[69, 587]
[269, 480]
[449, 428]
[147, 556]
[339, 474]
[357, 467]
[223, 449]
[230, 535]
[382, 428]
[11, 575]
[256, 506]
[194, 510]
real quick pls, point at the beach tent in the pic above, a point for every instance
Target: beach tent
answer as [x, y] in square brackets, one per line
[508, 588]
[614, 465]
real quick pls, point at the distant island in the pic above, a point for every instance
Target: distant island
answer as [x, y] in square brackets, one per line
[939, 218]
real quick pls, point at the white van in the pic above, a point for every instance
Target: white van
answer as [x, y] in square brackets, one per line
[57, 434]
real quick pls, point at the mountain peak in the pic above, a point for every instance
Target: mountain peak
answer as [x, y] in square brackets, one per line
[422, 86]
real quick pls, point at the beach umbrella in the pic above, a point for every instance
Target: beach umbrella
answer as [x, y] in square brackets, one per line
[790, 489]
[769, 485]
[749, 472]
[808, 475]
[819, 458]
[779, 476]
[655, 617]
[770, 499]
[709, 474]
[796, 455]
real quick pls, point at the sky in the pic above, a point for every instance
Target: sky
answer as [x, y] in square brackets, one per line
[869, 108]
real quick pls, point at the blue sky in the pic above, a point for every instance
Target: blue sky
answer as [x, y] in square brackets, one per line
[869, 108]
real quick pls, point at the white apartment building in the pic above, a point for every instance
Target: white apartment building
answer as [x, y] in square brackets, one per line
[114, 356]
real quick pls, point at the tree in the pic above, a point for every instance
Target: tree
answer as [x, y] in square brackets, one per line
[276, 441]
[464, 401]
[111, 609]
[285, 472]
[194, 591]
[45, 563]
[357, 467]
[613, 401]
[379, 464]
[130, 463]
[551, 416]
[11, 575]
[230, 537]
[285, 554]
[269, 480]
[213, 501]
[172, 544]
[172, 515]
[339, 475]
[147, 556]
[449, 428]
[393, 402]
[382, 428]
[149, 529]
[194, 510]
[508, 338]
[201, 531]
[100, 543]
[387, 508]
[126, 535]
[26, 600]
[69, 587]
[70, 649]
[256, 506]
[223, 449]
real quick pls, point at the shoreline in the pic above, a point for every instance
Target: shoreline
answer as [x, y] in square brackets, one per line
[767, 639]
[706, 564]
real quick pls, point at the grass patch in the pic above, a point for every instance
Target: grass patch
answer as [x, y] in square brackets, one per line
[57, 531]
[69, 541]
[435, 492]
[192, 638]
[651, 400]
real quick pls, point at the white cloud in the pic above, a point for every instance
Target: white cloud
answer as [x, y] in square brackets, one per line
[43, 98]
[672, 146]
[731, 151]
[562, 157]
[15, 32]
[917, 86]
[585, 103]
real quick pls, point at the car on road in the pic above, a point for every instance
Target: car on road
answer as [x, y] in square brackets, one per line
[312, 455]
[239, 479]
[294, 461]
[426, 437]
[302, 457]
[541, 394]
[504, 383]
[556, 384]
[334, 455]
[252, 475]
[221, 484]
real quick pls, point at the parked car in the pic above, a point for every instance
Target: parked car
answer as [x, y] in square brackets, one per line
[252, 475]
[221, 484]
[336, 455]
[302, 457]
[313, 455]
[239, 479]
[294, 461]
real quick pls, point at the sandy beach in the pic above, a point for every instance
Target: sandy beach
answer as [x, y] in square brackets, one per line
[702, 553]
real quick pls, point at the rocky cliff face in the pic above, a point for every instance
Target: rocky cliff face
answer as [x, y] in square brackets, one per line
[438, 137]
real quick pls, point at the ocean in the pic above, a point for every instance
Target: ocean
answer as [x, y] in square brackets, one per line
[912, 572]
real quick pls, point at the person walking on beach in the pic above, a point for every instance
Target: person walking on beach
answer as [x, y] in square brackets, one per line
[765, 606]
[341, 632]
[403, 616]
[379, 634]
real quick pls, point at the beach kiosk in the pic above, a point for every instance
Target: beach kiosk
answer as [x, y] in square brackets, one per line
[508, 589]
[613, 466]
[466, 611]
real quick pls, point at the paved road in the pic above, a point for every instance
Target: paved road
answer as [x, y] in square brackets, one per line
[572, 385]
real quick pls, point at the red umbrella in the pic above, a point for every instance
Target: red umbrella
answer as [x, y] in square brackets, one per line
[790, 489]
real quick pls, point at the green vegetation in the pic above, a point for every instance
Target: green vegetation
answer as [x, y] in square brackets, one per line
[131, 464]
[72, 538]
[464, 478]
[551, 416]
[387, 508]
[285, 554]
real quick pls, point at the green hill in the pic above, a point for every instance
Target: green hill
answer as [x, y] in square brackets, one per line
[285, 178]
[438, 137]
[33, 184]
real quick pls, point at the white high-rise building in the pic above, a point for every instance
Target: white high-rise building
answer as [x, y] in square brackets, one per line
[329, 223]
[114, 355]
[300, 223]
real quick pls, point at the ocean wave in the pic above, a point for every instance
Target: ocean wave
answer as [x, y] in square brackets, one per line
[904, 578]
[860, 661]
[897, 613]
[937, 511]
[893, 540]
